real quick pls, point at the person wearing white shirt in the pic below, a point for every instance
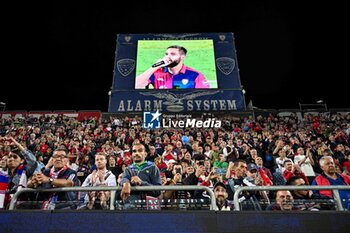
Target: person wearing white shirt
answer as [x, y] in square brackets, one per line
[305, 163]
[99, 177]
[280, 160]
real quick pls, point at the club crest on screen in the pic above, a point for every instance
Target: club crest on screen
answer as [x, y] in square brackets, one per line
[225, 64]
[127, 38]
[125, 66]
[184, 81]
[222, 37]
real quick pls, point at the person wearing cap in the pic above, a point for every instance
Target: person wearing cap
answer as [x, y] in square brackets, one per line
[60, 175]
[254, 178]
[221, 195]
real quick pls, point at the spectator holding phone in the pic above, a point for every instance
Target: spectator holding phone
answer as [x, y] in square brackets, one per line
[176, 180]
[200, 170]
[197, 177]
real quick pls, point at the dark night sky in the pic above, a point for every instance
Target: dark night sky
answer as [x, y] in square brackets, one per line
[63, 57]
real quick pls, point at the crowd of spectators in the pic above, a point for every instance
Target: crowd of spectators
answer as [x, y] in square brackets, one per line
[59, 151]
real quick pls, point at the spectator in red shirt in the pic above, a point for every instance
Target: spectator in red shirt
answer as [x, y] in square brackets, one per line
[293, 170]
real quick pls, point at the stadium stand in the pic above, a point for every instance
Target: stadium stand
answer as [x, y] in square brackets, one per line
[249, 149]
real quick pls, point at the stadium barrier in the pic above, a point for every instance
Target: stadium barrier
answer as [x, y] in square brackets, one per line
[174, 221]
[114, 189]
[334, 189]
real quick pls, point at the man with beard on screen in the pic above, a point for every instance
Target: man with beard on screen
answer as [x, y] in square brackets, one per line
[170, 72]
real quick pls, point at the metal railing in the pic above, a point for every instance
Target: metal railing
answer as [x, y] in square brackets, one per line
[334, 189]
[116, 188]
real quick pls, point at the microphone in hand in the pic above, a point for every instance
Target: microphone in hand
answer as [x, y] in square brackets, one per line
[158, 63]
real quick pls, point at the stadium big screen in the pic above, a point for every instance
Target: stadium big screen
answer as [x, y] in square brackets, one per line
[209, 82]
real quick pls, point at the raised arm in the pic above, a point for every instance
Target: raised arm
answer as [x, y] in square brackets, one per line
[142, 79]
[28, 156]
[19, 145]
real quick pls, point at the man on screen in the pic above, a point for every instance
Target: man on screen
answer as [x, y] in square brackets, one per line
[171, 73]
